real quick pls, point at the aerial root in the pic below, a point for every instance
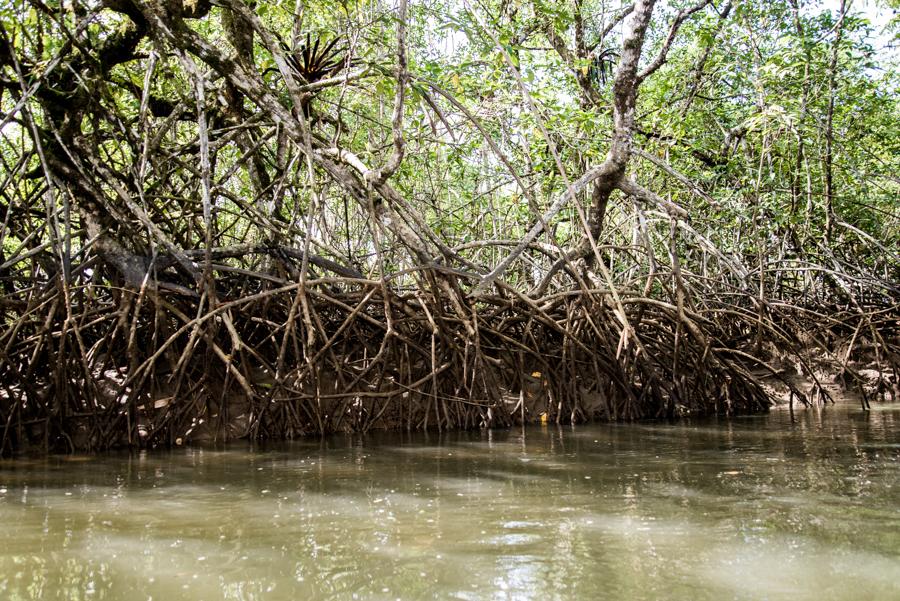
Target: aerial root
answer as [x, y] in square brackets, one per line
[135, 368]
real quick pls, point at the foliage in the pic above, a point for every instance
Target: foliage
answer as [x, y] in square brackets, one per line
[735, 163]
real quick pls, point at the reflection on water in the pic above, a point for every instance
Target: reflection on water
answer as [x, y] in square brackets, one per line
[750, 508]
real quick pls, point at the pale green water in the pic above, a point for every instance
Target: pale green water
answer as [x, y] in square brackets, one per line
[751, 508]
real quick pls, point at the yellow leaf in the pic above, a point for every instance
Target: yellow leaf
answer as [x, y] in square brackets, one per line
[455, 80]
[584, 70]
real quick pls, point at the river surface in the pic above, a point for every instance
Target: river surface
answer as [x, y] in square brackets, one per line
[761, 507]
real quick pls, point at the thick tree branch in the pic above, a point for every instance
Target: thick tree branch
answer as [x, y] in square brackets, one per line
[680, 18]
[393, 162]
[610, 173]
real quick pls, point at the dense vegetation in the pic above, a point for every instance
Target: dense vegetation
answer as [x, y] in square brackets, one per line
[262, 219]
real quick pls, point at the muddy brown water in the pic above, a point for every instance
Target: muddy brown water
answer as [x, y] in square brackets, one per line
[761, 507]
